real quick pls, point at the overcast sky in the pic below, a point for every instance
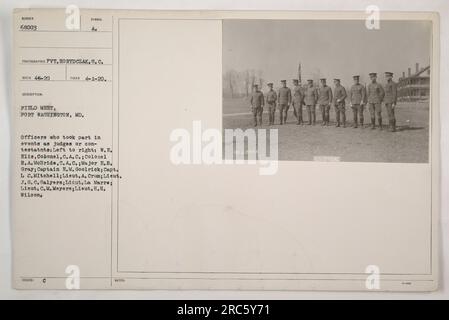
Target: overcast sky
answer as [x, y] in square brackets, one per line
[331, 48]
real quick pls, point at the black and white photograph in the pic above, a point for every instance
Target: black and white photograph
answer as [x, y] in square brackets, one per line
[267, 151]
[336, 90]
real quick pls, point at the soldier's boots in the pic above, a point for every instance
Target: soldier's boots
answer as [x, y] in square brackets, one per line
[338, 119]
[361, 122]
[281, 117]
[313, 117]
[355, 125]
[309, 113]
[260, 120]
[380, 123]
[392, 126]
[323, 115]
[373, 123]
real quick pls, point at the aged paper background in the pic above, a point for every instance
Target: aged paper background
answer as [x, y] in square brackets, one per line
[221, 220]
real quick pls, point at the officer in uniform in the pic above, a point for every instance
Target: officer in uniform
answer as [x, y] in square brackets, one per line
[375, 96]
[339, 102]
[324, 100]
[284, 101]
[357, 99]
[298, 100]
[310, 99]
[391, 94]
[257, 104]
[271, 102]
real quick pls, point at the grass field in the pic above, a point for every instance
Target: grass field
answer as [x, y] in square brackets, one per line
[303, 142]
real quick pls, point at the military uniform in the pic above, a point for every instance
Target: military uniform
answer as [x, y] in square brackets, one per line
[357, 97]
[310, 100]
[375, 94]
[324, 101]
[390, 99]
[257, 104]
[339, 103]
[271, 102]
[297, 101]
[284, 101]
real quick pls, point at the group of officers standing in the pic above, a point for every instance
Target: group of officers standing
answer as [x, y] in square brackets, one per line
[373, 95]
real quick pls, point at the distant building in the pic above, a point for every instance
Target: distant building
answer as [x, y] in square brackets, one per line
[414, 87]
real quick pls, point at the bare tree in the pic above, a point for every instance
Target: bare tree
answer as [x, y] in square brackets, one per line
[231, 84]
[246, 78]
[230, 80]
[260, 78]
[252, 77]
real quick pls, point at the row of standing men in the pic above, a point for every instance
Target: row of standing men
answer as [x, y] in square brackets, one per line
[373, 96]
